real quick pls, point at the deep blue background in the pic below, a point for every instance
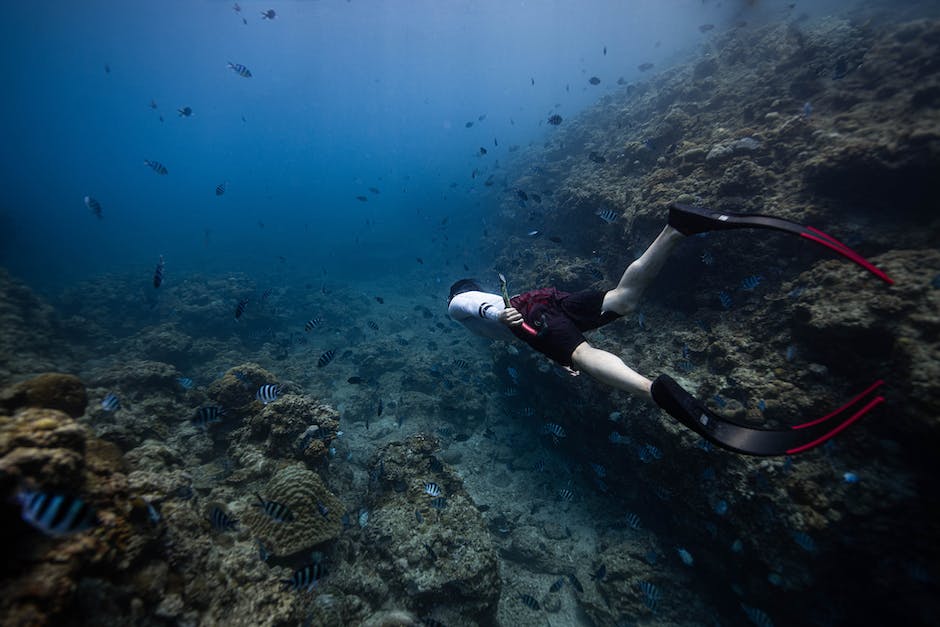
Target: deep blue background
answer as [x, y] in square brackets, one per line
[344, 96]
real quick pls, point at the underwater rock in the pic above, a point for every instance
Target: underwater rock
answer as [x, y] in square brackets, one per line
[49, 450]
[447, 560]
[292, 426]
[165, 342]
[237, 388]
[51, 390]
[705, 68]
[392, 618]
[304, 493]
[529, 546]
[45, 445]
[140, 377]
[633, 587]
[725, 150]
[30, 342]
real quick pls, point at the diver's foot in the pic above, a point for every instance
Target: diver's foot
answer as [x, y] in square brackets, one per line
[690, 220]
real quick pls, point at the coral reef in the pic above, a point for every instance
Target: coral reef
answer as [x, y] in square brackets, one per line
[435, 557]
[50, 390]
[47, 449]
[30, 342]
[820, 125]
[316, 513]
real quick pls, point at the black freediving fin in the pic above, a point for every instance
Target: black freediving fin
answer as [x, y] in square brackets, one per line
[690, 220]
[692, 413]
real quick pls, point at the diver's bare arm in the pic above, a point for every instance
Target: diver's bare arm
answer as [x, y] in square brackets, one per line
[610, 369]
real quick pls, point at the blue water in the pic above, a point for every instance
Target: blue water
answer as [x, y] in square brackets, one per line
[344, 96]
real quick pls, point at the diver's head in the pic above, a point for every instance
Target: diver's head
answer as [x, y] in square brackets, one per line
[461, 286]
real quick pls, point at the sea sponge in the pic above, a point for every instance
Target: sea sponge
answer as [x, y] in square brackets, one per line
[51, 390]
[302, 491]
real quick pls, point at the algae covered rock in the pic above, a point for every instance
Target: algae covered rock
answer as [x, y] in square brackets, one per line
[236, 390]
[293, 426]
[44, 445]
[49, 451]
[435, 551]
[316, 512]
[51, 390]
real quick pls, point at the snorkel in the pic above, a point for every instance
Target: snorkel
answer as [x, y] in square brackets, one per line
[503, 286]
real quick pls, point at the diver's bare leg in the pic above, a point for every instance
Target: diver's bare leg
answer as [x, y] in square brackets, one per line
[610, 369]
[639, 274]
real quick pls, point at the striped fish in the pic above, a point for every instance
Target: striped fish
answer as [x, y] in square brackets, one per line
[607, 215]
[278, 512]
[439, 503]
[56, 514]
[557, 585]
[313, 323]
[267, 393]
[757, 616]
[158, 273]
[240, 69]
[220, 189]
[240, 308]
[263, 552]
[156, 166]
[208, 415]
[220, 519]
[432, 489]
[305, 577]
[633, 521]
[111, 402]
[650, 594]
[373, 325]
[185, 382]
[804, 541]
[529, 601]
[326, 358]
[554, 430]
[565, 494]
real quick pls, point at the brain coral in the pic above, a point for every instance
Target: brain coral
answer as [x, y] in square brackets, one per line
[301, 490]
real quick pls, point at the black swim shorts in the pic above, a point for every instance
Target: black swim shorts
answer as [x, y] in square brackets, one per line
[560, 319]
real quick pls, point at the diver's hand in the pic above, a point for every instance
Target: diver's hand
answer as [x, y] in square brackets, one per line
[511, 317]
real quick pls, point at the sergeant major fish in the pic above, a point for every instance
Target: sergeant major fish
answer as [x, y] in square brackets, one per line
[156, 166]
[158, 273]
[220, 519]
[240, 308]
[56, 514]
[305, 577]
[240, 69]
[111, 402]
[326, 358]
[278, 512]
[267, 393]
[208, 415]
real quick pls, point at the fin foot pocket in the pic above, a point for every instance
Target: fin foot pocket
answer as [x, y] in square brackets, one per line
[688, 410]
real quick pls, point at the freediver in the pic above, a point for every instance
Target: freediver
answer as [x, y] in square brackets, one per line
[552, 322]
